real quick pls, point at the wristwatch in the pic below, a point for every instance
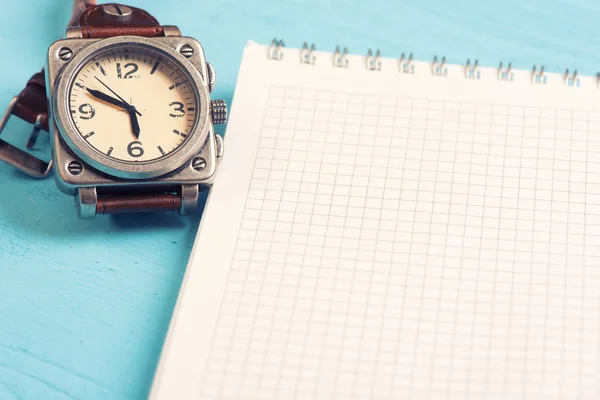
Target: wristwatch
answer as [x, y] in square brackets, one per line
[127, 105]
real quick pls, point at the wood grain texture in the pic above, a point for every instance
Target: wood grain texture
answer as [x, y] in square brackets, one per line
[84, 305]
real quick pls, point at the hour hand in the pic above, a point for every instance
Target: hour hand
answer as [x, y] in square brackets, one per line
[135, 125]
[109, 99]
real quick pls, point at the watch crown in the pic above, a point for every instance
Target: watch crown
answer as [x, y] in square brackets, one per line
[218, 111]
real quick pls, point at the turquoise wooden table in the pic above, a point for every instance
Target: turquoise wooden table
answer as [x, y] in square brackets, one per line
[85, 305]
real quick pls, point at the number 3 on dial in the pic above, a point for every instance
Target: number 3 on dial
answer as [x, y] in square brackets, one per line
[178, 110]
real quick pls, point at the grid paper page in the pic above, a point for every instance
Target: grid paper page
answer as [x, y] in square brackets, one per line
[397, 238]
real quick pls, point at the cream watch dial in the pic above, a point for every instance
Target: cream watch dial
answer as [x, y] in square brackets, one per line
[133, 104]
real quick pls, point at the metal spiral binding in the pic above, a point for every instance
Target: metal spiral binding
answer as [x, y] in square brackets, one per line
[340, 59]
[439, 68]
[571, 80]
[275, 52]
[406, 65]
[472, 72]
[505, 74]
[374, 62]
[538, 77]
[307, 56]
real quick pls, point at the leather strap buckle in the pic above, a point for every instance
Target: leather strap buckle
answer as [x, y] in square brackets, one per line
[25, 162]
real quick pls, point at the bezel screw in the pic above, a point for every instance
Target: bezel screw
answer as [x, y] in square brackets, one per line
[187, 51]
[75, 168]
[199, 164]
[65, 54]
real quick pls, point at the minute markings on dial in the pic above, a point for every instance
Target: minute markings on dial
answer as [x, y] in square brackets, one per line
[177, 84]
[100, 68]
[154, 67]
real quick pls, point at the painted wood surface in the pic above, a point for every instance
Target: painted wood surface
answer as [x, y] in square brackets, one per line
[85, 305]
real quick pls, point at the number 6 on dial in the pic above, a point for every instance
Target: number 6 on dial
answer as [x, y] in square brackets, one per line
[135, 149]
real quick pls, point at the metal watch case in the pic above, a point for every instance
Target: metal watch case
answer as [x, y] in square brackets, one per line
[194, 163]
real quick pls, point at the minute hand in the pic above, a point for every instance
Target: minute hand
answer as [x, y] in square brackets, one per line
[129, 106]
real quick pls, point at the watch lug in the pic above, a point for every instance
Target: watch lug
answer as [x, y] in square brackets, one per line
[189, 199]
[86, 201]
[171, 30]
[73, 32]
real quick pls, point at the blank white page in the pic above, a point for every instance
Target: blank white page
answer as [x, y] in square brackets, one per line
[387, 235]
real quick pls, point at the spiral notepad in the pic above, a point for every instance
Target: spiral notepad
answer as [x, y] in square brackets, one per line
[395, 229]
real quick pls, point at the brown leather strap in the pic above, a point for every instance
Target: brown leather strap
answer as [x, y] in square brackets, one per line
[31, 102]
[135, 203]
[95, 22]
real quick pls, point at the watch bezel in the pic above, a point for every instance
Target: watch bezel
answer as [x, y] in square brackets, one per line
[120, 168]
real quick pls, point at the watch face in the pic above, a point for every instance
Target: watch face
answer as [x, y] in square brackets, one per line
[133, 103]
